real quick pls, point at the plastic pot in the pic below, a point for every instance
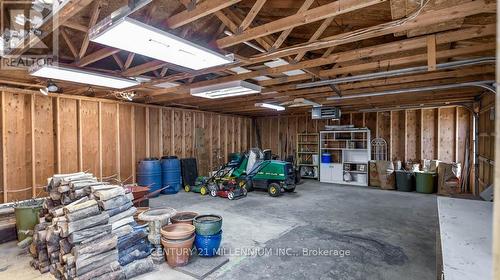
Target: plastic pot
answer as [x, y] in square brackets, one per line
[26, 219]
[207, 245]
[178, 252]
[207, 224]
[184, 218]
[177, 231]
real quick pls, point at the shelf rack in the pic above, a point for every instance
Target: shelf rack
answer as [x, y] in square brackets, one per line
[308, 155]
[350, 153]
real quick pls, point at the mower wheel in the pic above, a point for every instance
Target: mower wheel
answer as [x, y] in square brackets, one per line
[274, 189]
[187, 188]
[245, 192]
[230, 195]
[203, 190]
[213, 193]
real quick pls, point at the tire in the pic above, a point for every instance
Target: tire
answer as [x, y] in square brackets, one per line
[230, 195]
[274, 189]
[187, 188]
[213, 193]
[245, 192]
[203, 190]
[249, 186]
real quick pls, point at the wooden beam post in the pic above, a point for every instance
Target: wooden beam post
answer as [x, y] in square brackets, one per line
[4, 154]
[431, 52]
[132, 132]
[118, 150]
[33, 154]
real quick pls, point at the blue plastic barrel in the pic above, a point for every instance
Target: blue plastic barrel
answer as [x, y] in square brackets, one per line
[149, 174]
[208, 245]
[171, 174]
[326, 158]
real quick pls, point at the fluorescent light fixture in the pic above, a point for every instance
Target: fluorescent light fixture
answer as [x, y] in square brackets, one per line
[270, 106]
[134, 36]
[230, 89]
[301, 102]
[280, 62]
[239, 70]
[261, 78]
[167, 85]
[82, 77]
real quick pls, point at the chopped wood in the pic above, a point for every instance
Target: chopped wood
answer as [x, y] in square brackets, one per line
[115, 275]
[122, 231]
[78, 236]
[117, 210]
[138, 267]
[89, 222]
[101, 245]
[114, 202]
[73, 208]
[96, 261]
[83, 213]
[130, 212]
[122, 222]
[106, 268]
[110, 193]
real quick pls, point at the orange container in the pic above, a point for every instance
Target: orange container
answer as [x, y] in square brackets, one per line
[177, 231]
[178, 252]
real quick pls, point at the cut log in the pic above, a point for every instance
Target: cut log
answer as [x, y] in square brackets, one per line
[65, 246]
[69, 259]
[89, 222]
[75, 207]
[124, 207]
[82, 185]
[115, 275]
[122, 231]
[109, 193]
[56, 211]
[138, 267]
[101, 245]
[83, 213]
[131, 239]
[110, 267]
[84, 266]
[78, 236]
[124, 214]
[114, 202]
[122, 222]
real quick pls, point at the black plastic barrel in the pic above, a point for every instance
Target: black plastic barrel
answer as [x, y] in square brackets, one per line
[405, 181]
[149, 174]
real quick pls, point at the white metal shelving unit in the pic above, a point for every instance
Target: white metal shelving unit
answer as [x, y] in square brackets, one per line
[350, 154]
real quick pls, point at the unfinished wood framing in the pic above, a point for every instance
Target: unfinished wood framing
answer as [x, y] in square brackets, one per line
[45, 135]
[411, 135]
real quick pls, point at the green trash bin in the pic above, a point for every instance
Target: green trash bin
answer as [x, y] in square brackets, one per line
[405, 181]
[425, 181]
[27, 216]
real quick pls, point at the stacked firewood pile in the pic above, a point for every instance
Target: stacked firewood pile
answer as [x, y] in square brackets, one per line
[86, 224]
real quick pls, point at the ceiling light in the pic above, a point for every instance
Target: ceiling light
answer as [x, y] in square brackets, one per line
[239, 70]
[229, 89]
[134, 36]
[52, 87]
[82, 77]
[167, 85]
[280, 62]
[270, 106]
[301, 102]
[261, 78]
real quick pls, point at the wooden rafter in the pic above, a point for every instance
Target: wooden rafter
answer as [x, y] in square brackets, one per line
[324, 25]
[76, 26]
[96, 10]
[284, 34]
[118, 61]
[63, 14]
[322, 12]
[424, 19]
[251, 15]
[409, 44]
[68, 42]
[144, 68]
[201, 10]
[96, 56]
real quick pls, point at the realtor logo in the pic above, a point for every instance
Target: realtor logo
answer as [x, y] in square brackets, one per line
[26, 36]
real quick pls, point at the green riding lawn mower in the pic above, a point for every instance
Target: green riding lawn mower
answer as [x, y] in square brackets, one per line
[274, 176]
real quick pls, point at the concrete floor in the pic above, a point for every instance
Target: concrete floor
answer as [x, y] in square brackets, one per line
[387, 234]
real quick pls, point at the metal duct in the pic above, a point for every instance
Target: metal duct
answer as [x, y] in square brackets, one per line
[489, 85]
[399, 72]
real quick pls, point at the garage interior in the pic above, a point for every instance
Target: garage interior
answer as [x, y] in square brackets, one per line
[255, 139]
